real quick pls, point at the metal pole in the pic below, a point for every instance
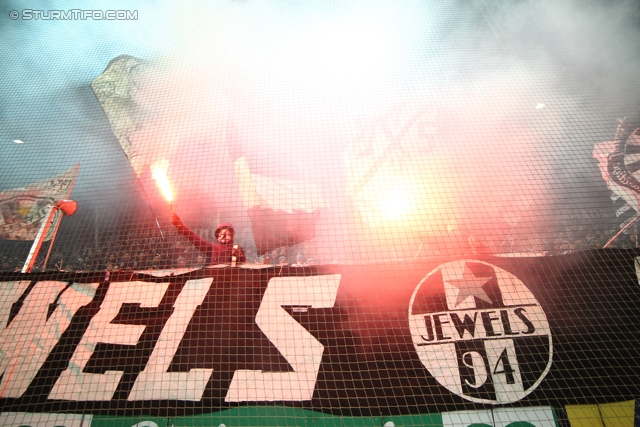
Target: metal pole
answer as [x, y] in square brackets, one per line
[415, 256]
[53, 236]
[150, 208]
[622, 230]
[96, 241]
[37, 243]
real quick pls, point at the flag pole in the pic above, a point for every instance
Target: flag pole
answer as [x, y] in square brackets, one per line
[66, 207]
[622, 230]
[53, 235]
[55, 230]
[149, 204]
[37, 243]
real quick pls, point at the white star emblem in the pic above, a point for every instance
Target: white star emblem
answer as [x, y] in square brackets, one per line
[470, 285]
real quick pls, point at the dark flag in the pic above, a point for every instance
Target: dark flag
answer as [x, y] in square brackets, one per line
[283, 212]
[620, 168]
[23, 209]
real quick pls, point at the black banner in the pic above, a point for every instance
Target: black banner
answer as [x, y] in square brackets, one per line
[393, 338]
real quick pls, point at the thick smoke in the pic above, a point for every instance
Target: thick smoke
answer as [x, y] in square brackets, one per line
[306, 82]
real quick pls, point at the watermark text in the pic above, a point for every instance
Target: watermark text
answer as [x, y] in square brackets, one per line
[75, 15]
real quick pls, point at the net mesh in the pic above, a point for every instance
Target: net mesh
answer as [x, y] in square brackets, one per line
[327, 213]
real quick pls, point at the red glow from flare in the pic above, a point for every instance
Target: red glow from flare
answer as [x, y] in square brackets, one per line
[159, 174]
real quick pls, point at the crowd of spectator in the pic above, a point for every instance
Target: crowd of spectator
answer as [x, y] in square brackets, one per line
[146, 249]
[142, 249]
[134, 250]
[553, 243]
[594, 239]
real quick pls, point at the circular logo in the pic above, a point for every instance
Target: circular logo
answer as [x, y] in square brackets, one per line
[480, 332]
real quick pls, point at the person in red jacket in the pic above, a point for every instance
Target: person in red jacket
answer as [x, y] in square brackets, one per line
[221, 252]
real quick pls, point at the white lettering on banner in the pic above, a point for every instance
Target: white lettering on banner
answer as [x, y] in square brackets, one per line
[474, 361]
[440, 328]
[541, 416]
[154, 382]
[505, 370]
[9, 419]
[27, 341]
[76, 385]
[296, 344]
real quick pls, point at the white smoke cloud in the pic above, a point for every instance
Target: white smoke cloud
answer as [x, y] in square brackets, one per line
[300, 79]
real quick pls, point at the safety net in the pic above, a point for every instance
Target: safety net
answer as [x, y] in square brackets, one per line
[301, 213]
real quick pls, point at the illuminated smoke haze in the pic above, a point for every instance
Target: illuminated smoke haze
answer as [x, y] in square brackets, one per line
[303, 81]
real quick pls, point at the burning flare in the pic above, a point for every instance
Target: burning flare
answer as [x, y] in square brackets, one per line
[159, 174]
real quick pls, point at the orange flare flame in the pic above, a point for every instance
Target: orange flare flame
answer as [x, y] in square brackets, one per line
[159, 174]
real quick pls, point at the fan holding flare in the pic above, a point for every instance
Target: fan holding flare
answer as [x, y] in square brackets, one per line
[221, 253]
[224, 251]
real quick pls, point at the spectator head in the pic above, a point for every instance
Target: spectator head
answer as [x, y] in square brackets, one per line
[225, 234]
